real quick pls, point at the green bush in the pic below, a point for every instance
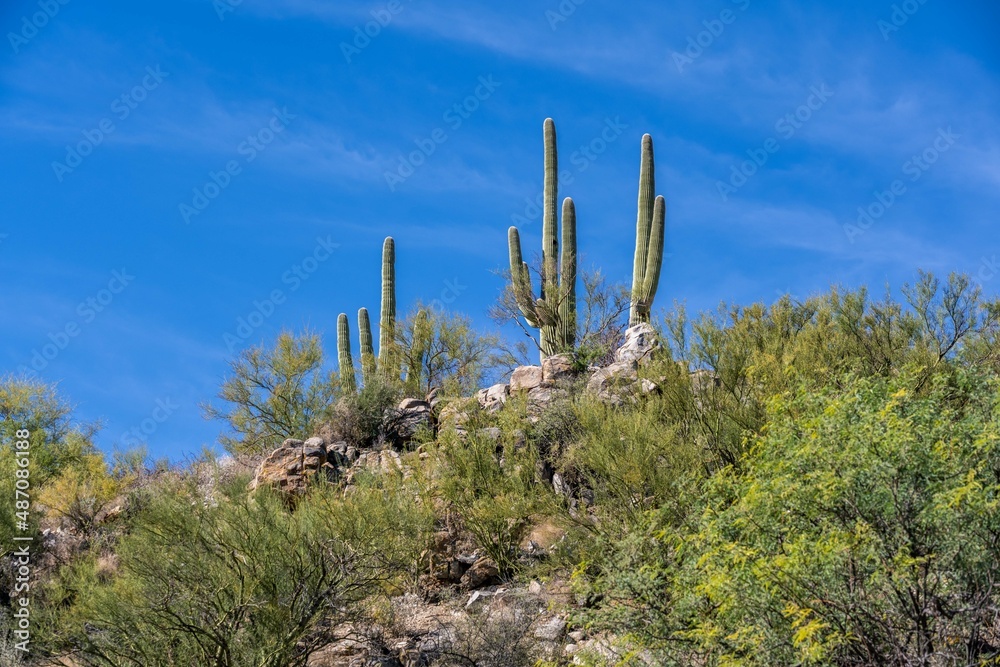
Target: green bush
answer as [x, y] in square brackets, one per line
[630, 460]
[493, 487]
[361, 419]
[240, 581]
[274, 393]
[863, 530]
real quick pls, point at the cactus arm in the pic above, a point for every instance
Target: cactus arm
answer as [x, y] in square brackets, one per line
[654, 262]
[521, 278]
[348, 381]
[368, 363]
[567, 277]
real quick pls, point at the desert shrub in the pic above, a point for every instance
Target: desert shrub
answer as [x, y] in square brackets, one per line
[387, 515]
[863, 529]
[238, 582]
[55, 442]
[364, 419]
[630, 460]
[442, 349]
[492, 486]
[496, 634]
[81, 490]
[274, 393]
[749, 354]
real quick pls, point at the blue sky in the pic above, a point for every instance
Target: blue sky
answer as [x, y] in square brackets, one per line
[277, 121]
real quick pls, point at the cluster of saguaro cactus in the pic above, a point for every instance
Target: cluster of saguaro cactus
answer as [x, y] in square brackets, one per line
[554, 312]
[387, 359]
[649, 234]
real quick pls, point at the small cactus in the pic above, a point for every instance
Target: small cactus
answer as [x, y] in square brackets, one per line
[649, 238]
[348, 382]
[554, 313]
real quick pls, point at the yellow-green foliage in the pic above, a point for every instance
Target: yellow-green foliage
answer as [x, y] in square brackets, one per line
[274, 393]
[860, 530]
[81, 490]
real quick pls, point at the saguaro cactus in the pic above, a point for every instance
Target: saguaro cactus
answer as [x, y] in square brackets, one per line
[368, 363]
[649, 235]
[554, 313]
[420, 345]
[347, 379]
[387, 359]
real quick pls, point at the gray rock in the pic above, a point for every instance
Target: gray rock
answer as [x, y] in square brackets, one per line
[551, 630]
[641, 342]
[410, 416]
[493, 398]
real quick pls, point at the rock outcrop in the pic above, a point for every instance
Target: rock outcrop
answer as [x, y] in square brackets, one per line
[292, 467]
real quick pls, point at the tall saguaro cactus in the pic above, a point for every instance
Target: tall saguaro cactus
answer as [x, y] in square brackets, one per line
[368, 364]
[554, 313]
[387, 359]
[649, 235]
[347, 379]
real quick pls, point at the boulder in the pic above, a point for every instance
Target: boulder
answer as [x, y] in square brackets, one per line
[551, 630]
[484, 572]
[525, 378]
[557, 368]
[493, 398]
[410, 416]
[615, 383]
[540, 397]
[641, 342]
[291, 467]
